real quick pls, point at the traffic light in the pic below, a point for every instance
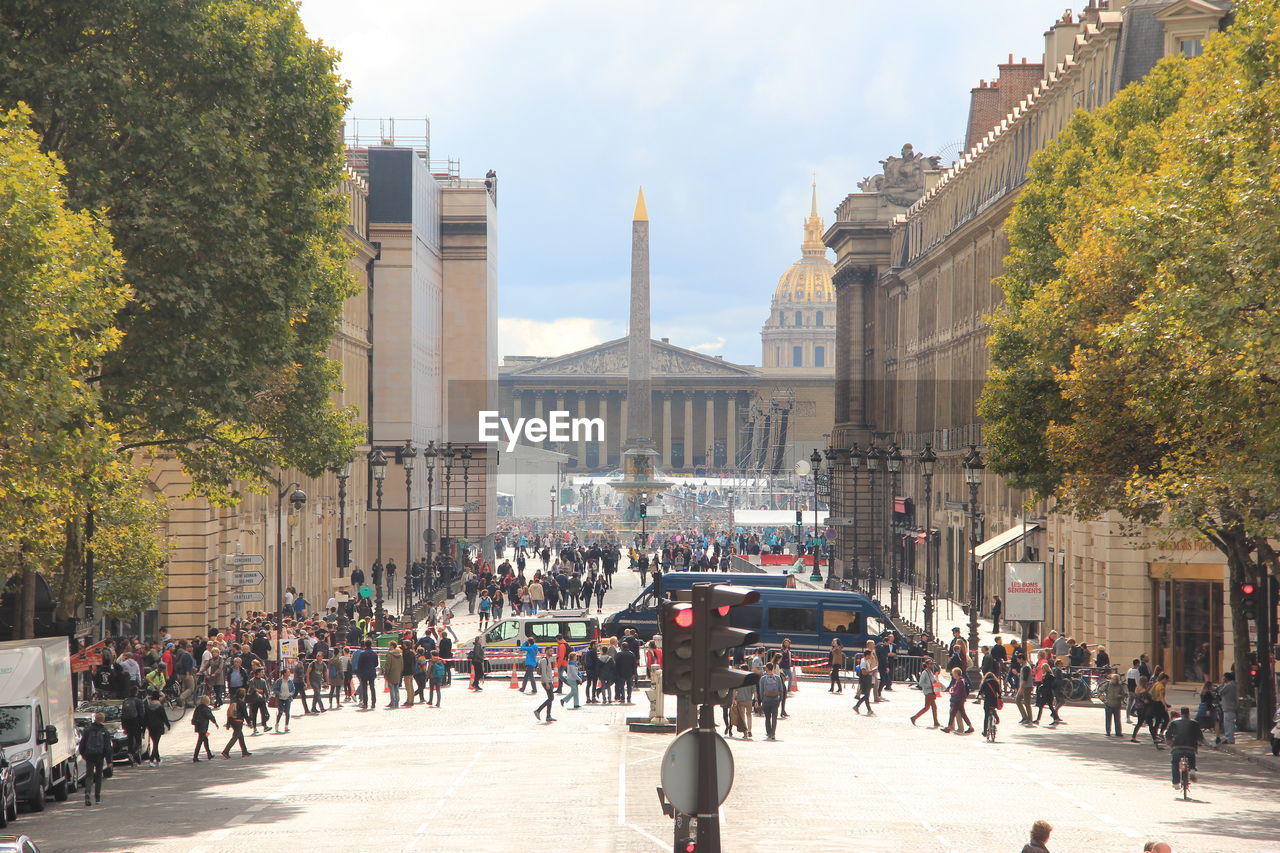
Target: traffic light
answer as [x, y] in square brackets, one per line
[677, 621]
[1255, 671]
[1249, 599]
[644, 510]
[716, 638]
[344, 553]
[799, 516]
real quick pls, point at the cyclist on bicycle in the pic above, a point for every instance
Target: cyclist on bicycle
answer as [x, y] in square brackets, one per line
[989, 693]
[1184, 736]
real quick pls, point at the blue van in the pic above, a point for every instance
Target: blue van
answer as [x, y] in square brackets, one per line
[642, 613]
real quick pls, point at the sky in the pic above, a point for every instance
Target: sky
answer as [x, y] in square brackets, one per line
[723, 110]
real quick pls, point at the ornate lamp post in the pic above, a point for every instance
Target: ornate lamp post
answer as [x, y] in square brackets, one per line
[893, 460]
[833, 459]
[465, 456]
[873, 457]
[926, 459]
[344, 545]
[429, 455]
[297, 498]
[973, 467]
[815, 460]
[408, 455]
[552, 492]
[378, 465]
[446, 522]
[857, 459]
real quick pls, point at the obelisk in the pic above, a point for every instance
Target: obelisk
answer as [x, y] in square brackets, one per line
[639, 380]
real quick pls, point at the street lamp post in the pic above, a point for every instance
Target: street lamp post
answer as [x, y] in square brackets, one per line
[644, 519]
[833, 461]
[297, 498]
[408, 455]
[465, 456]
[429, 455]
[552, 492]
[894, 462]
[926, 459]
[345, 548]
[873, 456]
[446, 522]
[973, 467]
[815, 460]
[378, 465]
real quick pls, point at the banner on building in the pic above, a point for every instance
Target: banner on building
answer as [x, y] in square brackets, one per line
[1023, 592]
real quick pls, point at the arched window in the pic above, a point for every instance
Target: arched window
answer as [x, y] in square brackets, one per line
[818, 320]
[799, 322]
[819, 356]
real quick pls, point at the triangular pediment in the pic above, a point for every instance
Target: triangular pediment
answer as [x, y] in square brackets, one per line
[610, 359]
[1190, 9]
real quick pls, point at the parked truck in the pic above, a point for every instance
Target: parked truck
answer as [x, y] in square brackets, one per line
[37, 728]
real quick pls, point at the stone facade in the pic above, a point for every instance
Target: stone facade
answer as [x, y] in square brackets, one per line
[914, 280]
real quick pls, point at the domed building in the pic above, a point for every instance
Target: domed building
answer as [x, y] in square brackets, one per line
[801, 329]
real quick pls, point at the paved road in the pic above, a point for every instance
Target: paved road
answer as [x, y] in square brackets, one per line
[481, 774]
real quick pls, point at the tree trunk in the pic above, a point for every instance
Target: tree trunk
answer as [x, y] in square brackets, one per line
[25, 626]
[1236, 545]
[70, 590]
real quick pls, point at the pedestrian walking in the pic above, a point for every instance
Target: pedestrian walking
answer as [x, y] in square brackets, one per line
[772, 689]
[866, 669]
[1142, 712]
[1026, 683]
[476, 659]
[743, 698]
[436, 680]
[835, 663]
[201, 719]
[530, 649]
[133, 711]
[547, 675]
[283, 692]
[959, 690]
[572, 677]
[930, 689]
[96, 749]
[157, 723]
[236, 713]
[366, 666]
[1229, 699]
[1113, 696]
[392, 672]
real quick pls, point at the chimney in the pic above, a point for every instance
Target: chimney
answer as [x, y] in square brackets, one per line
[984, 111]
[1017, 80]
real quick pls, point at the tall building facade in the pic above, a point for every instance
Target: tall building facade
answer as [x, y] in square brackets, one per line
[918, 249]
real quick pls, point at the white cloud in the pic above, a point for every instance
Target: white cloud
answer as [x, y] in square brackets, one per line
[709, 346]
[518, 336]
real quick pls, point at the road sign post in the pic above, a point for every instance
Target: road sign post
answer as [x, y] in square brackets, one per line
[246, 578]
[233, 561]
[247, 597]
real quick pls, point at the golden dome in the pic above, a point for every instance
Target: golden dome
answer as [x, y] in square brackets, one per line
[809, 279]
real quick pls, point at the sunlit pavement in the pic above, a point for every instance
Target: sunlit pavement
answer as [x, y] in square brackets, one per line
[482, 774]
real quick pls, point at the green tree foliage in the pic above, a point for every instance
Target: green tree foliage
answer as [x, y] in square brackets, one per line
[60, 290]
[208, 131]
[1134, 363]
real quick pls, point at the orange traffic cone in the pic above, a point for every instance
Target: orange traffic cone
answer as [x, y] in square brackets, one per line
[386, 686]
[795, 685]
[515, 685]
[555, 681]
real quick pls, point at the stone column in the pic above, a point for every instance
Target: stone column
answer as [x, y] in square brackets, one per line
[731, 429]
[665, 396]
[710, 431]
[688, 430]
[639, 344]
[624, 407]
[581, 412]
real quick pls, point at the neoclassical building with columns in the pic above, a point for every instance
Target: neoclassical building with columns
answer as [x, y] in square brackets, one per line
[709, 415]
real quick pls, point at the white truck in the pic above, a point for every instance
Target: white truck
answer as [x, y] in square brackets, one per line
[37, 728]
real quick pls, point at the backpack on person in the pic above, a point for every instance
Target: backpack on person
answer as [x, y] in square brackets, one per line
[132, 709]
[95, 743]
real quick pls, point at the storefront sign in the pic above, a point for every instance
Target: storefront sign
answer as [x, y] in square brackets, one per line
[1023, 592]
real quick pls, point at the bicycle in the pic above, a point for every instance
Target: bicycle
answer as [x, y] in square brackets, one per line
[171, 700]
[989, 727]
[1184, 773]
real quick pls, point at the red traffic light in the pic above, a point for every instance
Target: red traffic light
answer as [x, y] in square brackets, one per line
[690, 846]
[1247, 588]
[684, 617]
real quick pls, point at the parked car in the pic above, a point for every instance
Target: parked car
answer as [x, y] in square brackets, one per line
[8, 794]
[119, 740]
[17, 844]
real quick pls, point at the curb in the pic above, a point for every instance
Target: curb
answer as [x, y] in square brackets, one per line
[1269, 762]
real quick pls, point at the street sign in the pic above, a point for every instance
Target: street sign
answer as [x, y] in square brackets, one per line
[366, 591]
[246, 578]
[680, 771]
[247, 597]
[234, 560]
[840, 522]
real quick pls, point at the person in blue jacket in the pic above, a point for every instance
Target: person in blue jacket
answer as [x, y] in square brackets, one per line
[530, 649]
[365, 664]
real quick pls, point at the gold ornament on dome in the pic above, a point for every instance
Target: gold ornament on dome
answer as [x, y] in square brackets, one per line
[809, 279]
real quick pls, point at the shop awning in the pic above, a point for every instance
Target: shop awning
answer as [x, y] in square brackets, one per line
[1014, 534]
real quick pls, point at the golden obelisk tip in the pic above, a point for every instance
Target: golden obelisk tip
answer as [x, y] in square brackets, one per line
[642, 214]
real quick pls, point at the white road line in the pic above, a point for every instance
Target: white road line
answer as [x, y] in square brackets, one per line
[662, 845]
[622, 786]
